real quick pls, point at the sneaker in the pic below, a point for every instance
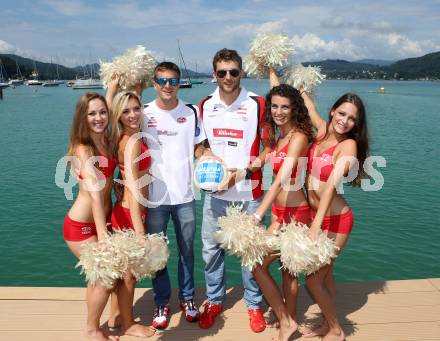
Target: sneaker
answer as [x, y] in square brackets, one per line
[256, 320]
[210, 312]
[161, 316]
[190, 309]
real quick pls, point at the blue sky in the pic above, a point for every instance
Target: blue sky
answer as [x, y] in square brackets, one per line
[75, 32]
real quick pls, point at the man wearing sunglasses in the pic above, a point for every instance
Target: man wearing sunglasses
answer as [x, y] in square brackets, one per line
[232, 121]
[174, 134]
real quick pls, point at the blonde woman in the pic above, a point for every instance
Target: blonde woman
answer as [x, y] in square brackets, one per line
[128, 213]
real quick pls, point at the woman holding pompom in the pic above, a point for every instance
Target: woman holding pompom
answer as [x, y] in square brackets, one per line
[92, 155]
[128, 213]
[285, 113]
[340, 148]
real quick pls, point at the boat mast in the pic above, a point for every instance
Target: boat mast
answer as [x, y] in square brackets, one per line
[183, 60]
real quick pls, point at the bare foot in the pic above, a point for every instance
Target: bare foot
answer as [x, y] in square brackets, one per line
[318, 331]
[114, 322]
[287, 330]
[98, 335]
[334, 336]
[139, 330]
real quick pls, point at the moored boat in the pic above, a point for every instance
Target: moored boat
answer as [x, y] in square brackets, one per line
[53, 83]
[196, 81]
[185, 83]
[89, 83]
[3, 83]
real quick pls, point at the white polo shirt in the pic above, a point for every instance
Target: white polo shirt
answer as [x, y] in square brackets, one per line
[233, 133]
[171, 136]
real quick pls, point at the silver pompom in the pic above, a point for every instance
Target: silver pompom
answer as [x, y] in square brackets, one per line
[267, 50]
[307, 77]
[134, 66]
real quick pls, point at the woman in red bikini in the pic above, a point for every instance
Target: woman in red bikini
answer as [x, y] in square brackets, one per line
[128, 213]
[87, 219]
[341, 145]
[287, 114]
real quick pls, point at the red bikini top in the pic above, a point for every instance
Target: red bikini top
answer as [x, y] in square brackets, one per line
[276, 160]
[145, 162]
[320, 166]
[108, 170]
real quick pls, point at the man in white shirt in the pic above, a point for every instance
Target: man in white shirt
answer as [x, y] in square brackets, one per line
[173, 134]
[232, 118]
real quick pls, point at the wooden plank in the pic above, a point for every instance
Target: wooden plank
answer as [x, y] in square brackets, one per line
[435, 282]
[392, 311]
[417, 331]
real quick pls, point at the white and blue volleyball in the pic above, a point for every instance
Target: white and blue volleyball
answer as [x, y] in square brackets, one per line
[210, 174]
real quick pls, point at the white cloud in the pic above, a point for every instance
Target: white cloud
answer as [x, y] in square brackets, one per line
[251, 30]
[405, 47]
[5, 47]
[310, 47]
[68, 8]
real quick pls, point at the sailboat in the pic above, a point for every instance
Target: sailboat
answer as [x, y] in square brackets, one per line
[88, 83]
[54, 82]
[184, 82]
[3, 83]
[19, 77]
[196, 81]
[34, 75]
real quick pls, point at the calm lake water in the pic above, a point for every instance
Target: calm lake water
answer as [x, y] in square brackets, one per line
[397, 229]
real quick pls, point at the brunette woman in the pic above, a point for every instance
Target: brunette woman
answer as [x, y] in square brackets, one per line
[340, 148]
[286, 114]
[86, 221]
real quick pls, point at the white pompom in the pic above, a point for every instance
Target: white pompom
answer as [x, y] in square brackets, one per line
[241, 236]
[134, 66]
[122, 251]
[156, 256]
[267, 50]
[98, 261]
[299, 254]
[307, 77]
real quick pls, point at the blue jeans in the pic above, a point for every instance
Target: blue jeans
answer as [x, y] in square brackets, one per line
[184, 220]
[214, 256]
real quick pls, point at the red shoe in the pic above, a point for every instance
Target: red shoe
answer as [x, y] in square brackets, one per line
[190, 309]
[161, 316]
[210, 312]
[256, 320]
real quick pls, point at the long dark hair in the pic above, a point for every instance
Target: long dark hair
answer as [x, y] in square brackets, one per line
[359, 133]
[300, 115]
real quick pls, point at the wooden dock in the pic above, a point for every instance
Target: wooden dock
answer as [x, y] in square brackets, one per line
[407, 310]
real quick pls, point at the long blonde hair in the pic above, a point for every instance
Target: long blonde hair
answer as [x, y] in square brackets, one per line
[80, 131]
[118, 105]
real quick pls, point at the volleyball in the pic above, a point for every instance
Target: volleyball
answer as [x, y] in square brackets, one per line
[210, 174]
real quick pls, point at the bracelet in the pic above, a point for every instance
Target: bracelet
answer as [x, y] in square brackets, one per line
[258, 217]
[248, 174]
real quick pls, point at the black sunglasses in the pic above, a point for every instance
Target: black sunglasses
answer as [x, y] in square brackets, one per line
[222, 73]
[163, 81]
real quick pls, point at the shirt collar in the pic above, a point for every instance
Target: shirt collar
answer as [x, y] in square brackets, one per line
[241, 97]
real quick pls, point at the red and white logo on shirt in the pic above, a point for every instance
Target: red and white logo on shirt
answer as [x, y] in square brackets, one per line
[181, 119]
[152, 123]
[224, 132]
